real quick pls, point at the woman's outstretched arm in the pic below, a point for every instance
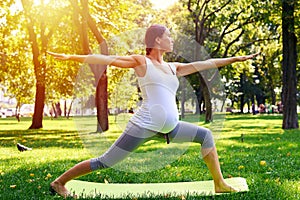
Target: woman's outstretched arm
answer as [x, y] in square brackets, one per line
[184, 69]
[118, 61]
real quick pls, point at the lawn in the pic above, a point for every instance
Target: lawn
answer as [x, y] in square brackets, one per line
[267, 156]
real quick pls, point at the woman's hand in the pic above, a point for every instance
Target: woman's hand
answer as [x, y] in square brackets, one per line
[59, 56]
[248, 57]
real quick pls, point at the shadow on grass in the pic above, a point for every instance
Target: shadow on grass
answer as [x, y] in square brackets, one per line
[31, 182]
[249, 117]
[286, 139]
[39, 138]
[27, 175]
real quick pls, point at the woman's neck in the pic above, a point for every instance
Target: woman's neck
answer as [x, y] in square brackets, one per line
[156, 55]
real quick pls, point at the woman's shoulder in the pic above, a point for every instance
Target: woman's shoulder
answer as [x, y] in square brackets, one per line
[141, 68]
[140, 59]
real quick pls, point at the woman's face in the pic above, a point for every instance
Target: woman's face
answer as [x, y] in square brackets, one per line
[166, 42]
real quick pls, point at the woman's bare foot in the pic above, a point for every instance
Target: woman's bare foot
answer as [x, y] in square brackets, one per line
[60, 189]
[223, 187]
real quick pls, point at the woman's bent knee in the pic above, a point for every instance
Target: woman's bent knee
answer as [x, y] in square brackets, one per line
[208, 140]
[97, 164]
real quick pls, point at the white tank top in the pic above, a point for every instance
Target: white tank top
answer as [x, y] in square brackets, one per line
[158, 111]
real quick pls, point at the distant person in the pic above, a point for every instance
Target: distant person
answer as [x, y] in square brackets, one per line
[279, 107]
[262, 108]
[253, 109]
[158, 112]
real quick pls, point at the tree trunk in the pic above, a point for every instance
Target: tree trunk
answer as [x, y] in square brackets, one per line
[207, 100]
[204, 82]
[40, 73]
[100, 74]
[17, 111]
[242, 100]
[242, 103]
[38, 62]
[37, 120]
[98, 70]
[54, 110]
[198, 93]
[289, 79]
[69, 110]
[248, 105]
[65, 108]
[101, 104]
[58, 109]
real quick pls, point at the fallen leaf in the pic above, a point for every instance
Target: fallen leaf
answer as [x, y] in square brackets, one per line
[263, 163]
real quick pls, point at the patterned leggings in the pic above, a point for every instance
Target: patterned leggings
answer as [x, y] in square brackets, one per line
[134, 136]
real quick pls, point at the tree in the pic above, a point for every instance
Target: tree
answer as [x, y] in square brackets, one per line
[38, 62]
[220, 35]
[232, 27]
[98, 70]
[289, 79]
[137, 15]
[55, 17]
[15, 64]
[41, 20]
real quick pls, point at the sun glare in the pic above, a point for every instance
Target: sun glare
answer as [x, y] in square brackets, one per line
[39, 2]
[17, 6]
[159, 4]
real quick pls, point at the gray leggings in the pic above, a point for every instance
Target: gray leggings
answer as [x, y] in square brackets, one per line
[134, 136]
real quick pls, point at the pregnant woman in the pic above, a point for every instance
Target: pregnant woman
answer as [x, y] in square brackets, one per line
[158, 114]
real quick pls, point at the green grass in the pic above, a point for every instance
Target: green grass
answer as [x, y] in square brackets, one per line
[58, 146]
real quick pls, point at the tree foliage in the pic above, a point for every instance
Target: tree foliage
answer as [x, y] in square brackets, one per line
[230, 28]
[222, 28]
[14, 55]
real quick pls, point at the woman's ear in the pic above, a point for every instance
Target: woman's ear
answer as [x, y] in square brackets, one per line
[157, 40]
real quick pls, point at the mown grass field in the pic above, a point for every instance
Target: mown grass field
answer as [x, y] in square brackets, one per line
[268, 157]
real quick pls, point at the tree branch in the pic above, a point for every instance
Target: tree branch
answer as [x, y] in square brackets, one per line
[232, 42]
[201, 10]
[253, 42]
[217, 10]
[225, 32]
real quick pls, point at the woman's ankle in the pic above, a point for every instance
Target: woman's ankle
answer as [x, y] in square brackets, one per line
[57, 182]
[222, 187]
[59, 188]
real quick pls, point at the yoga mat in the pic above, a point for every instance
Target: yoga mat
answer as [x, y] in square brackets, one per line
[125, 190]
